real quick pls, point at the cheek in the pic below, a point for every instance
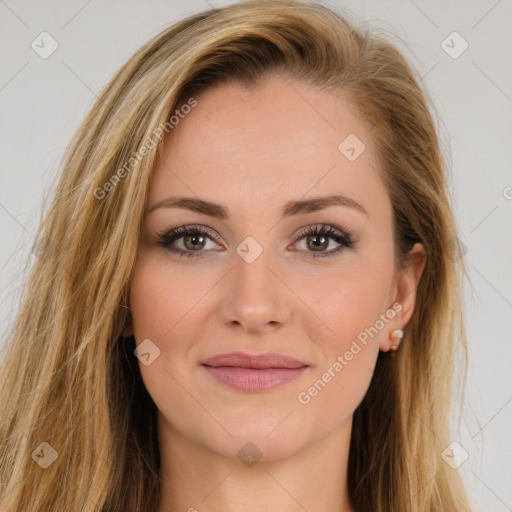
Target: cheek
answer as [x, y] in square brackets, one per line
[348, 302]
[353, 307]
[160, 298]
[328, 399]
[167, 307]
[361, 292]
[164, 316]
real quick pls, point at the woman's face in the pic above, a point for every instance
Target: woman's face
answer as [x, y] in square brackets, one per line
[251, 283]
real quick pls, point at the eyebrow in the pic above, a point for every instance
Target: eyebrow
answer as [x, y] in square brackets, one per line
[291, 208]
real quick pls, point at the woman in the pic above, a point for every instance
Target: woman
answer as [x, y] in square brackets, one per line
[245, 294]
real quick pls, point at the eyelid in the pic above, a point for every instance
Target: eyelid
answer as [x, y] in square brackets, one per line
[310, 228]
[182, 231]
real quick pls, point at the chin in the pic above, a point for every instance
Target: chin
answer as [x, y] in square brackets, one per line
[259, 439]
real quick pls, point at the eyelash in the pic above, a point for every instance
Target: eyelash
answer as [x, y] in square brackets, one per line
[166, 237]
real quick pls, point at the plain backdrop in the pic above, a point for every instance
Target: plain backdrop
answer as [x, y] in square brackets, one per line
[43, 101]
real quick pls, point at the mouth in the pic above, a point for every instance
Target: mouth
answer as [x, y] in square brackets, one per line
[254, 373]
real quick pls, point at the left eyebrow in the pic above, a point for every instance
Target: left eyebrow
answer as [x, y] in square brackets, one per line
[290, 208]
[320, 203]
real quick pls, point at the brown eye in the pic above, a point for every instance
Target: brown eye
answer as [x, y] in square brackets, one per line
[194, 242]
[188, 241]
[318, 242]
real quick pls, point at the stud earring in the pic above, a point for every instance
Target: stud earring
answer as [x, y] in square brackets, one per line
[396, 336]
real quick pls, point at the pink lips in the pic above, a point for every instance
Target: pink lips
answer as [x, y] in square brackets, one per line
[254, 372]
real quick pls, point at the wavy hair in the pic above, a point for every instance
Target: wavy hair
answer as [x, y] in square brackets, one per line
[71, 380]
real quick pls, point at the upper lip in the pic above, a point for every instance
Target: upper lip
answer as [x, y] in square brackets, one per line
[258, 361]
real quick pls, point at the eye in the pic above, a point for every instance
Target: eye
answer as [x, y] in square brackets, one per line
[192, 239]
[318, 238]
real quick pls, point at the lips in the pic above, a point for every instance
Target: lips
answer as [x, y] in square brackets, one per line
[254, 373]
[258, 362]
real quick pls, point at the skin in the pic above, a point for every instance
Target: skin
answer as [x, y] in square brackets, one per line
[252, 152]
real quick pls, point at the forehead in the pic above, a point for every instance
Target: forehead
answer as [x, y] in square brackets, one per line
[281, 140]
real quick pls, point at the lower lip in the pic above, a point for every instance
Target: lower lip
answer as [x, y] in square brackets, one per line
[250, 379]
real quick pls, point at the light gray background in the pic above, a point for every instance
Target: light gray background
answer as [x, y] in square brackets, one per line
[44, 100]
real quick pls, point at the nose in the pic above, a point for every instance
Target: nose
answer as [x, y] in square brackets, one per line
[255, 297]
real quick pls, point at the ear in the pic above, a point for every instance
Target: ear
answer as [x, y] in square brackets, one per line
[404, 292]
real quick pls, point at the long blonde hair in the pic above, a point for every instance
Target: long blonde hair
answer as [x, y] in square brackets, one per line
[70, 380]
